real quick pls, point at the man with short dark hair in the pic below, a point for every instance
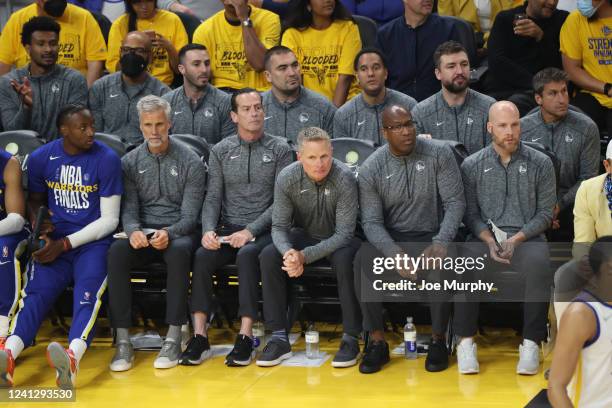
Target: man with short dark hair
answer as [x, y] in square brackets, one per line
[198, 108]
[31, 96]
[361, 117]
[313, 217]
[236, 220]
[289, 107]
[571, 135]
[114, 97]
[456, 112]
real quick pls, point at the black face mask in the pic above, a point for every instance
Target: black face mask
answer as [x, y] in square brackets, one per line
[132, 65]
[55, 8]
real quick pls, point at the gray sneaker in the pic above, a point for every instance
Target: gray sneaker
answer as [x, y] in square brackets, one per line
[123, 359]
[347, 354]
[274, 353]
[467, 360]
[529, 359]
[169, 354]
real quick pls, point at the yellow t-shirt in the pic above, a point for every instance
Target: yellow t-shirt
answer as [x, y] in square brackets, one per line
[324, 54]
[226, 48]
[165, 23]
[591, 42]
[80, 38]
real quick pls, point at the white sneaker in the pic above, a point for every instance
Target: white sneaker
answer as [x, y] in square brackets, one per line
[123, 360]
[467, 361]
[529, 358]
[169, 354]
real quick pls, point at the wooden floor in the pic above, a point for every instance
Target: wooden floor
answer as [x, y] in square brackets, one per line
[402, 383]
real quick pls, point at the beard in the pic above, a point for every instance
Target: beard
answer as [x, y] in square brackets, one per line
[452, 87]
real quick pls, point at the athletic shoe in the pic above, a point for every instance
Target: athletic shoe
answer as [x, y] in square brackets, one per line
[529, 358]
[274, 353]
[7, 368]
[437, 356]
[347, 354]
[169, 354]
[375, 356]
[65, 365]
[242, 353]
[197, 351]
[467, 362]
[123, 359]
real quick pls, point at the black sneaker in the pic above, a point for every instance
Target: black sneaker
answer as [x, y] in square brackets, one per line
[375, 356]
[197, 351]
[347, 354]
[242, 353]
[437, 356]
[274, 353]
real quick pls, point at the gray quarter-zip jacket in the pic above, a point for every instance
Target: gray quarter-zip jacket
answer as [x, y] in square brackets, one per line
[421, 192]
[519, 197]
[575, 141]
[327, 211]
[162, 190]
[241, 177]
[466, 123]
[210, 119]
[359, 120]
[50, 93]
[113, 109]
[287, 119]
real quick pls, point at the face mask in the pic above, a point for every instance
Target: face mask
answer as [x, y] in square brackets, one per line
[55, 8]
[132, 65]
[586, 8]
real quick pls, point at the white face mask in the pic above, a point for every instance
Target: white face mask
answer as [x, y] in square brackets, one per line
[586, 8]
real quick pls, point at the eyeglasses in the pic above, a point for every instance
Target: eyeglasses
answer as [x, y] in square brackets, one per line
[137, 50]
[399, 128]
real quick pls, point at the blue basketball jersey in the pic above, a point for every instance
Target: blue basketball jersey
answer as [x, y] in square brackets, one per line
[4, 158]
[74, 184]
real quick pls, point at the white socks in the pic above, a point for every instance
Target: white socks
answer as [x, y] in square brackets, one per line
[15, 344]
[527, 342]
[4, 326]
[78, 347]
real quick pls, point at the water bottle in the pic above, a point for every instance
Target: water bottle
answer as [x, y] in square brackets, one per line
[258, 335]
[410, 335]
[312, 343]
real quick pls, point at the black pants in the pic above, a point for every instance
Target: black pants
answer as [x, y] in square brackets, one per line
[591, 107]
[122, 258]
[566, 231]
[275, 281]
[206, 264]
[466, 318]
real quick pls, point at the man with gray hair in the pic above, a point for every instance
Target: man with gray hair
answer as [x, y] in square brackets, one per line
[164, 189]
[313, 217]
[113, 98]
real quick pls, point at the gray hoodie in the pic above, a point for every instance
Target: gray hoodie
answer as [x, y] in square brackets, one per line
[359, 120]
[241, 179]
[421, 192]
[519, 197]
[327, 211]
[575, 141]
[287, 119]
[113, 105]
[210, 119]
[466, 123]
[50, 93]
[162, 190]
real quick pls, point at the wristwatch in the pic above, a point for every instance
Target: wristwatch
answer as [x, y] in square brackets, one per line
[247, 23]
[607, 88]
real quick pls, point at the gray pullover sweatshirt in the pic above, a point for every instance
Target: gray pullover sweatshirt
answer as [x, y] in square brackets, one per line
[519, 197]
[359, 120]
[50, 93]
[575, 141]
[327, 211]
[466, 123]
[287, 119]
[113, 105]
[421, 192]
[209, 118]
[241, 177]
[162, 190]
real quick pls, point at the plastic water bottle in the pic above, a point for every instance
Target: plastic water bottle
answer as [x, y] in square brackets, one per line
[312, 343]
[258, 335]
[410, 335]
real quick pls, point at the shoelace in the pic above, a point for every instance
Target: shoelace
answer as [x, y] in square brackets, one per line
[123, 351]
[166, 347]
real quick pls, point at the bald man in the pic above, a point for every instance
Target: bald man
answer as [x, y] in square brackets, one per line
[512, 186]
[113, 98]
[410, 191]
